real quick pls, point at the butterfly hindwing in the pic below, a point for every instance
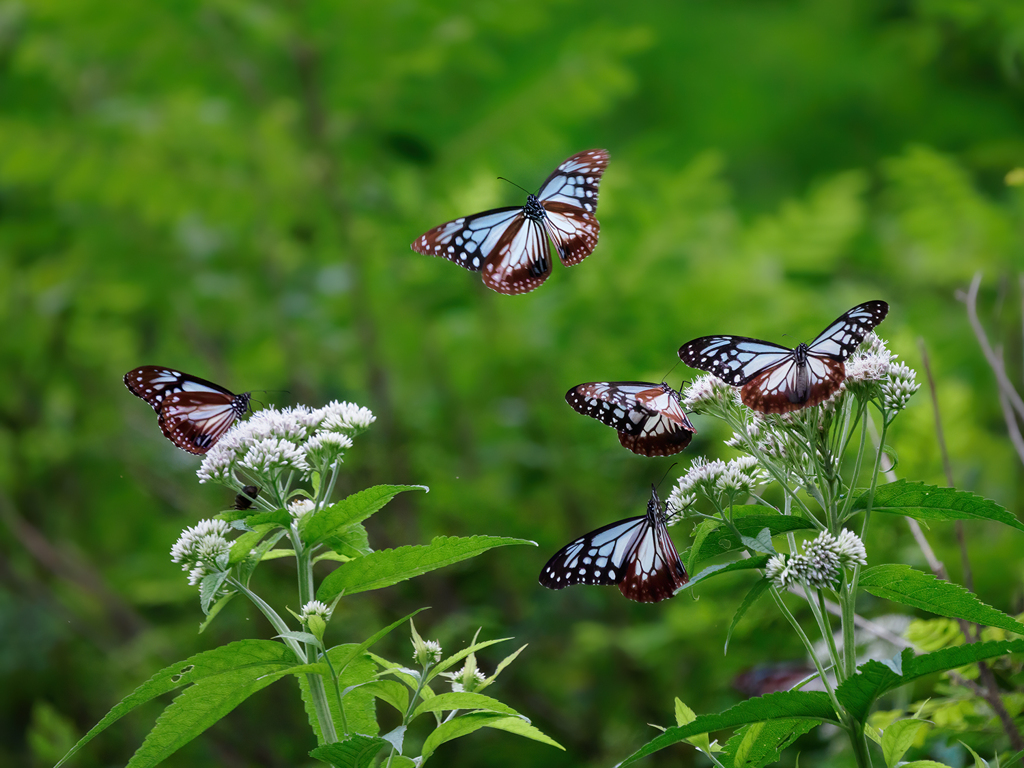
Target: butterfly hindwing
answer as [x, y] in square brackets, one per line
[649, 417]
[636, 553]
[510, 245]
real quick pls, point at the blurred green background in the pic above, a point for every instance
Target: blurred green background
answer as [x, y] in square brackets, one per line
[230, 188]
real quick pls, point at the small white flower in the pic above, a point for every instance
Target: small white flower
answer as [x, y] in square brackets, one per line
[460, 681]
[326, 448]
[702, 476]
[822, 556]
[708, 392]
[199, 547]
[426, 651]
[786, 570]
[313, 608]
[269, 454]
[347, 418]
[299, 508]
[898, 388]
[677, 504]
[851, 549]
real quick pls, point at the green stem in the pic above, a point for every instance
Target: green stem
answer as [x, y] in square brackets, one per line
[848, 604]
[858, 462]
[335, 678]
[808, 645]
[272, 616]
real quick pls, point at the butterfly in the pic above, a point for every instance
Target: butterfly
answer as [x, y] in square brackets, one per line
[775, 379]
[648, 417]
[509, 245]
[245, 499]
[193, 413]
[637, 554]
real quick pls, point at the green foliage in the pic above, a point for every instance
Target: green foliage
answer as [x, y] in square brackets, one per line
[927, 502]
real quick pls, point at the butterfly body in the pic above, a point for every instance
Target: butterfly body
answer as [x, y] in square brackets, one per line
[649, 417]
[776, 379]
[509, 246]
[637, 554]
[192, 413]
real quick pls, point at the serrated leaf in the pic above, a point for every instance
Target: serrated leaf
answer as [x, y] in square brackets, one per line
[902, 584]
[930, 502]
[354, 752]
[454, 729]
[463, 700]
[760, 744]
[216, 609]
[786, 705]
[521, 727]
[684, 716]
[719, 540]
[873, 679]
[252, 654]
[353, 509]
[752, 597]
[390, 566]
[350, 543]
[897, 738]
[209, 588]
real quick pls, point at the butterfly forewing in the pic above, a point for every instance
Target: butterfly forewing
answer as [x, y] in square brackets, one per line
[637, 554]
[467, 241]
[595, 558]
[848, 330]
[648, 417]
[575, 181]
[733, 359]
[153, 383]
[510, 245]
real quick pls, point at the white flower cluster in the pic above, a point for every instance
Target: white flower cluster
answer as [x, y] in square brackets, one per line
[873, 365]
[298, 438]
[314, 608]
[709, 394]
[736, 478]
[819, 563]
[299, 508]
[468, 680]
[898, 388]
[199, 547]
[426, 651]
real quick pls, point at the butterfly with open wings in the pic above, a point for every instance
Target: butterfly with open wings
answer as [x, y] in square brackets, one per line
[509, 245]
[637, 554]
[193, 413]
[775, 379]
[649, 417]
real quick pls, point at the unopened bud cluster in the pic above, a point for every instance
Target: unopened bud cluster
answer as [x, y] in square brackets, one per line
[819, 564]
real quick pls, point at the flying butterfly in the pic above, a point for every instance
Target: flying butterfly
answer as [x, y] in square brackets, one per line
[509, 245]
[636, 553]
[775, 379]
[648, 417]
[193, 413]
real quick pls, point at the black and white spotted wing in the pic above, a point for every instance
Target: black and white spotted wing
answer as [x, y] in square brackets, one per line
[193, 413]
[649, 417]
[775, 379]
[637, 554]
[509, 246]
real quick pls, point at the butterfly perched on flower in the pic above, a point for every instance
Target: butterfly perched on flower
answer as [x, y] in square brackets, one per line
[193, 413]
[775, 379]
[648, 417]
[636, 553]
[509, 245]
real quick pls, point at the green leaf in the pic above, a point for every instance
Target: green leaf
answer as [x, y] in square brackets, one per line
[786, 705]
[761, 744]
[743, 564]
[350, 543]
[474, 721]
[902, 584]
[897, 738]
[717, 539]
[462, 700]
[685, 716]
[209, 588]
[390, 691]
[930, 502]
[244, 544]
[979, 761]
[353, 509]
[391, 566]
[752, 597]
[217, 608]
[260, 656]
[455, 658]
[925, 764]
[873, 679]
[354, 752]
[760, 543]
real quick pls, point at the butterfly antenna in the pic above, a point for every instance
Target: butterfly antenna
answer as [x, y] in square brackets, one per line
[669, 372]
[502, 178]
[674, 465]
